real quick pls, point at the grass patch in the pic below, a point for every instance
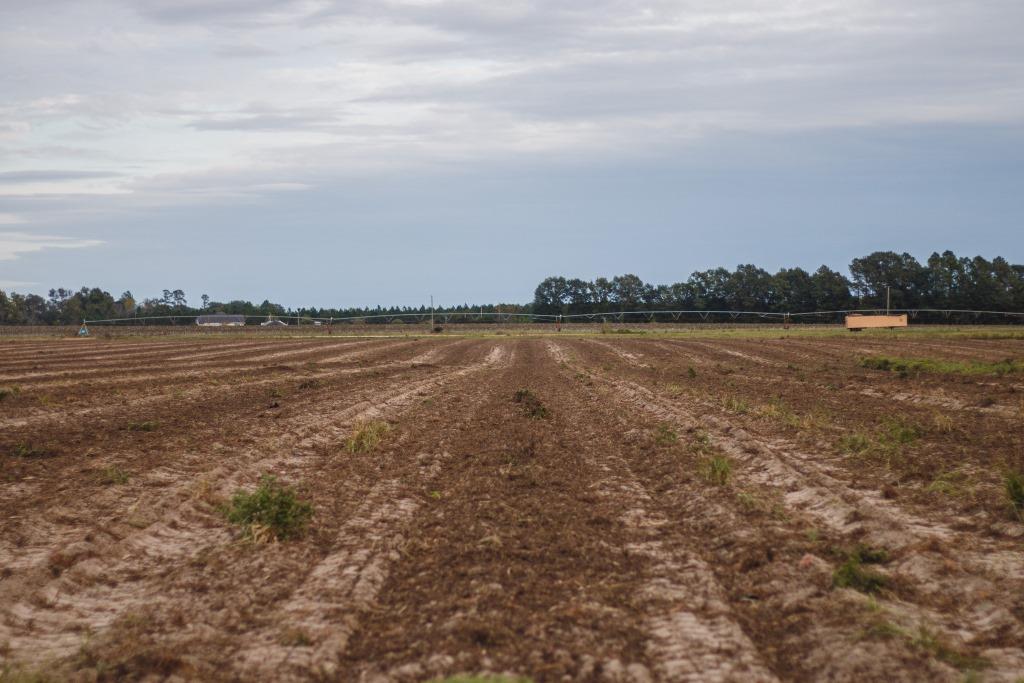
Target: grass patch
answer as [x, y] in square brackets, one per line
[951, 483]
[752, 503]
[930, 642]
[691, 373]
[853, 574]
[112, 475]
[146, 426]
[9, 674]
[907, 366]
[716, 470]
[896, 432]
[1013, 485]
[701, 442]
[295, 638]
[366, 436]
[532, 406]
[482, 679]
[735, 405]
[584, 379]
[665, 436]
[943, 424]
[27, 449]
[854, 444]
[927, 641]
[777, 410]
[9, 392]
[270, 512]
[886, 444]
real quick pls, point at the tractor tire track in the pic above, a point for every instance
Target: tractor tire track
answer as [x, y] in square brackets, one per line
[103, 583]
[810, 489]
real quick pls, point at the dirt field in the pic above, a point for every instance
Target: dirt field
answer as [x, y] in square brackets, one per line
[603, 508]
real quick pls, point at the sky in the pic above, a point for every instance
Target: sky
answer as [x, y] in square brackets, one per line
[327, 153]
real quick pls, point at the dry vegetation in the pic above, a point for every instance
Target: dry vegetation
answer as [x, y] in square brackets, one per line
[628, 508]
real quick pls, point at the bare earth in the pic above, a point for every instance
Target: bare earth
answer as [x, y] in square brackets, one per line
[592, 543]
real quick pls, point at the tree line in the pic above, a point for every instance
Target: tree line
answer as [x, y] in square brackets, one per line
[68, 307]
[945, 281]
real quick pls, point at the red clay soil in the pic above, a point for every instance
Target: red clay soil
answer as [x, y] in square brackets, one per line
[595, 509]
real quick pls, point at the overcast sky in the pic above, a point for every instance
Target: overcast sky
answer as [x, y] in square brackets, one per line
[345, 153]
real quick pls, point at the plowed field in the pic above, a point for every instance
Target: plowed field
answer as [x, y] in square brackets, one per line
[557, 508]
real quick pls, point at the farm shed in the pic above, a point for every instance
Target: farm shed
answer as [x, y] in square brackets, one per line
[856, 322]
[220, 320]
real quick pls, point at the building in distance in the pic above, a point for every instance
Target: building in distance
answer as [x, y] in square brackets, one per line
[220, 320]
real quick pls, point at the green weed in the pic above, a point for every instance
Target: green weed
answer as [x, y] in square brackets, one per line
[532, 406]
[10, 674]
[584, 379]
[898, 432]
[716, 470]
[700, 443]
[9, 392]
[752, 503]
[1013, 483]
[146, 426]
[482, 679]
[113, 475]
[906, 366]
[854, 444]
[735, 405]
[665, 436]
[950, 483]
[272, 511]
[26, 449]
[930, 642]
[295, 638]
[924, 639]
[853, 574]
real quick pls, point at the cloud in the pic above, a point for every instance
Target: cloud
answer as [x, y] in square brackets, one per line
[258, 122]
[408, 80]
[9, 177]
[243, 51]
[15, 284]
[210, 11]
[132, 105]
[14, 244]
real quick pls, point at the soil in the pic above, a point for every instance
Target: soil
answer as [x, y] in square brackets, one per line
[662, 508]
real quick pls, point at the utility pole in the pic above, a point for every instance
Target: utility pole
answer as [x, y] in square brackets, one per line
[887, 299]
[431, 311]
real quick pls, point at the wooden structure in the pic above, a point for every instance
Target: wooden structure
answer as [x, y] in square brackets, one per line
[856, 322]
